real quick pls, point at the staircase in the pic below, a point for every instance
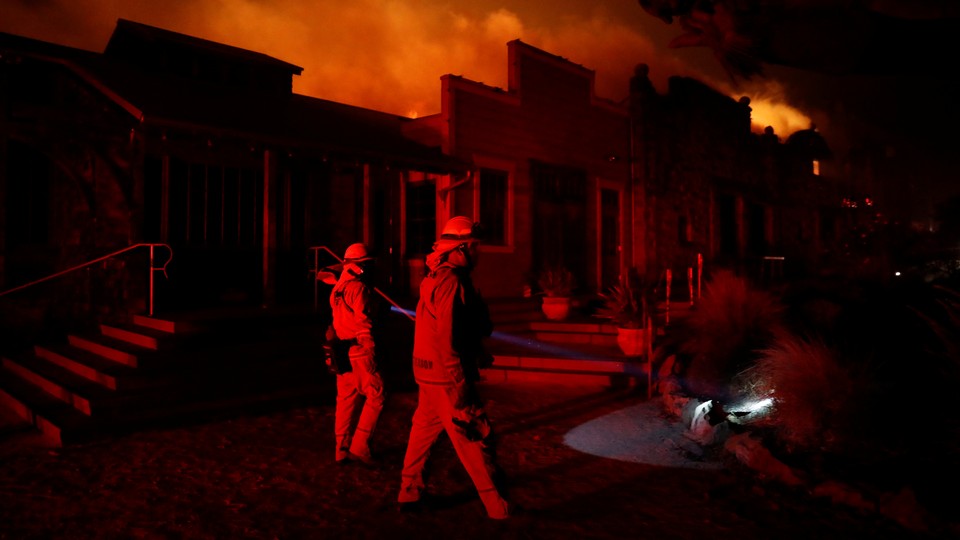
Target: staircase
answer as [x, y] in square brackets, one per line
[162, 371]
[579, 350]
[195, 367]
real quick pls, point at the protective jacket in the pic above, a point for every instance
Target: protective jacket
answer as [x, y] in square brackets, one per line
[353, 313]
[452, 320]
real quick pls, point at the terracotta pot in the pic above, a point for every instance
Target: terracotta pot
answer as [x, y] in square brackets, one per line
[631, 340]
[556, 308]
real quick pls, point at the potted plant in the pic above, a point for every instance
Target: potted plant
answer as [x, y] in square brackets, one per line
[556, 286]
[626, 306]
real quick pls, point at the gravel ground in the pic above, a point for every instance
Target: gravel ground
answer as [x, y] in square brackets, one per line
[582, 462]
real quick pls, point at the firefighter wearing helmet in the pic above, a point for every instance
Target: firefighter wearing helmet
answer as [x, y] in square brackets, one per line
[452, 320]
[352, 308]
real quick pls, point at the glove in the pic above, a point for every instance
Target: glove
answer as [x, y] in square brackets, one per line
[468, 429]
[473, 424]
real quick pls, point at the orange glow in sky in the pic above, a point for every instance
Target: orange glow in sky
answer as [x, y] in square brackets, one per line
[389, 55]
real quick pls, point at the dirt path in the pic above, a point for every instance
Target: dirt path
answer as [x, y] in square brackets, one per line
[273, 476]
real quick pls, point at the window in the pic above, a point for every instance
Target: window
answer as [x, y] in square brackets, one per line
[492, 205]
[214, 206]
[28, 196]
[421, 209]
[684, 231]
[816, 167]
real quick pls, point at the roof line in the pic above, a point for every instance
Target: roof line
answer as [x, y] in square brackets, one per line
[96, 83]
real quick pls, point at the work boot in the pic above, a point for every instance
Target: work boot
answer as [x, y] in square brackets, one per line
[367, 459]
[495, 505]
[410, 507]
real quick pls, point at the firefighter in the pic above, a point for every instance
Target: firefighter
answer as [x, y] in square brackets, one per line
[452, 319]
[352, 308]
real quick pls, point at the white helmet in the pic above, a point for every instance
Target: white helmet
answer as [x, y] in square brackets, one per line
[460, 228]
[356, 253]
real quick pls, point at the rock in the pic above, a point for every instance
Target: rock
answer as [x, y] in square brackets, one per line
[753, 454]
[840, 493]
[674, 403]
[905, 510]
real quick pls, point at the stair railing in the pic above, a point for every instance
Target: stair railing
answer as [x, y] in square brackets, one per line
[316, 269]
[153, 268]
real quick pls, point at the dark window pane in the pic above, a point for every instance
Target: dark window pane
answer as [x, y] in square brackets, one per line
[231, 206]
[179, 201]
[493, 205]
[28, 188]
[421, 217]
[215, 206]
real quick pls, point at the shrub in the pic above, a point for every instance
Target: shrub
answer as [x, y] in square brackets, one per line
[813, 395]
[723, 335]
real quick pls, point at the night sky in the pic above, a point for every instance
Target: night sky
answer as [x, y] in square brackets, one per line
[390, 55]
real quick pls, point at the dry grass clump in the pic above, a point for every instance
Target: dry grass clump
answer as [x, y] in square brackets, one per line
[812, 392]
[726, 331]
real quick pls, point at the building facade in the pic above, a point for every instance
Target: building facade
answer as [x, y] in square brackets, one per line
[166, 138]
[549, 176]
[169, 139]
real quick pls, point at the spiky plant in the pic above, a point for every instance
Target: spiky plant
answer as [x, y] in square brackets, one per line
[556, 282]
[625, 305]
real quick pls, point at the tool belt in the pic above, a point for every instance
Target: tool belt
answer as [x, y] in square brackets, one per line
[336, 354]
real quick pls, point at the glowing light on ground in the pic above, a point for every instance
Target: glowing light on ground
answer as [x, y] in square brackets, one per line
[753, 406]
[749, 411]
[639, 434]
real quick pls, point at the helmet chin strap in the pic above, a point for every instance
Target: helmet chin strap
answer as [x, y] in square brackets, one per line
[464, 251]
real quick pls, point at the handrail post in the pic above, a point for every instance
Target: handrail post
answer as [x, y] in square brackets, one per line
[152, 269]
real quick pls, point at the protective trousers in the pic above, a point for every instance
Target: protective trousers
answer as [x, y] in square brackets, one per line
[469, 431]
[363, 381]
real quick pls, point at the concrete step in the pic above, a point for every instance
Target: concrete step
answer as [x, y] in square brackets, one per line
[58, 422]
[113, 349]
[554, 376]
[61, 383]
[586, 333]
[42, 396]
[530, 359]
[576, 338]
[91, 366]
[145, 337]
[162, 325]
[166, 371]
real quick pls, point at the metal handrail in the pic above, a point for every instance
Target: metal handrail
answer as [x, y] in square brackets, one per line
[316, 269]
[153, 269]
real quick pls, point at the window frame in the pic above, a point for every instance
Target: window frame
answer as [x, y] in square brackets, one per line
[508, 167]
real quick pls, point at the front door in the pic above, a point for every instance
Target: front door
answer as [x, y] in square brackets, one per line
[212, 217]
[610, 241]
[560, 222]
